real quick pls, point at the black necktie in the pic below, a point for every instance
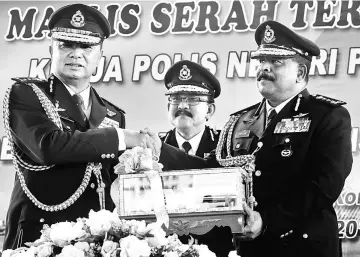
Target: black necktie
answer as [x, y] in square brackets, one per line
[186, 146]
[271, 115]
[80, 104]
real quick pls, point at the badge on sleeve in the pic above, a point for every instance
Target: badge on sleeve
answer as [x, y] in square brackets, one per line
[293, 125]
[107, 123]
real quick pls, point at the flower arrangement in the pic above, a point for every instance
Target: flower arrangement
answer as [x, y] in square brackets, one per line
[103, 234]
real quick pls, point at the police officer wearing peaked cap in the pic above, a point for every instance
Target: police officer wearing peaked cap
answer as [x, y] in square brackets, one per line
[58, 126]
[192, 89]
[79, 23]
[303, 153]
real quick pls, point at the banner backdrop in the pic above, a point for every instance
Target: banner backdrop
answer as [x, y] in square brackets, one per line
[148, 37]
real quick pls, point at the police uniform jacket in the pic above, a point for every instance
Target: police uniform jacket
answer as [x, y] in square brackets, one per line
[219, 239]
[40, 142]
[299, 174]
[207, 144]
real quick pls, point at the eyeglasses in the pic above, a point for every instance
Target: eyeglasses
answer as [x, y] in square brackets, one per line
[191, 101]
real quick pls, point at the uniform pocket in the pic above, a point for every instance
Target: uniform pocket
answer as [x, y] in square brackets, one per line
[244, 143]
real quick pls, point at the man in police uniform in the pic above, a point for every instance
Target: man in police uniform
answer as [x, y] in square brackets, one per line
[56, 127]
[302, 145]
[192, 90]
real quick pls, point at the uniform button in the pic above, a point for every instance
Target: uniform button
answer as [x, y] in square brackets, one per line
[103, 156]
[108, 155]
[92, 185]
[112, 155]
[291, 231]
[42, 220]
[287, 140]
[282, 236]
[258, 173]
[259, 144]
[305, 235]
[238, 145]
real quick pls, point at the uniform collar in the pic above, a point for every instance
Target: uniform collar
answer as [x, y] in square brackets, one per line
[279, 107]
[194, 141]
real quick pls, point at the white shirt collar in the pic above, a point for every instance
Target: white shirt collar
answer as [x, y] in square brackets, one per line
[85, 95]
[194, 141]
[279, 107]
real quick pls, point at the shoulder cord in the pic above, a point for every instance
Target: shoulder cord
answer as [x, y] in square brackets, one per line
[54, 117]
[225, 140]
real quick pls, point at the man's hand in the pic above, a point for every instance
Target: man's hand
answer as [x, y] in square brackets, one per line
[156, 142]
[134, 138]
[253, 224]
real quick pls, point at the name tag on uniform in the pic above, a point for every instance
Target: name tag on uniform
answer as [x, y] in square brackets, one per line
[242, 133]
[107, 123]
[294, 125]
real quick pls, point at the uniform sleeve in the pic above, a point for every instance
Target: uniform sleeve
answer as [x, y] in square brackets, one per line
[44, 143]
[327, 164]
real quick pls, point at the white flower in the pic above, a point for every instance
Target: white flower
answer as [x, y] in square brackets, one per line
[101, 222]
[84, 246]
[204, 251]
[71, 251]
[170, 254]
[45, 249]
[24, 252]
[7, 253]
[63, 233]
[108, 248]
[158, 233]
[133, 247]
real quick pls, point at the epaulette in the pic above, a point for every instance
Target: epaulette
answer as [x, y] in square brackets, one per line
[328, 100]
[246, 109]
[114, 106]
[164, 135]
[27, 80]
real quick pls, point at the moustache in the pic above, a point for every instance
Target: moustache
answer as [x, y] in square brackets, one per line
[264, 75]
[180, 112]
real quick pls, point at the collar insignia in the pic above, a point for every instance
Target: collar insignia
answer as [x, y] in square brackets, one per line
[110, 113]
[185, 73]
[269, 35]
[77, 20]
[57, 108]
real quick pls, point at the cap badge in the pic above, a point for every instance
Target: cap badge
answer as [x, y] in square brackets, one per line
[269, 35]
[185, 73]
[77, 20]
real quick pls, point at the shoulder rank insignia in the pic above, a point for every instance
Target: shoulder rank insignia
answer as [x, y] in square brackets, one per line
[110, 113]
[255, 106]
[328, 100]
[25, 80]
[57, 107]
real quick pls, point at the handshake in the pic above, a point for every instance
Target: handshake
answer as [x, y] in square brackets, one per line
[144, 138]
